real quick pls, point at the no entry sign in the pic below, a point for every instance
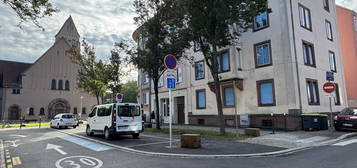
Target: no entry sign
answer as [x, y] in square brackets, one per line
[170, 61]
[329, 87]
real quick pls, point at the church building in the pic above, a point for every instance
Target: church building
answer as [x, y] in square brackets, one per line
[46, 87]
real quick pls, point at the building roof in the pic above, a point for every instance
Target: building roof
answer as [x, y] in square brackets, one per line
[10, 73]
[68, 28]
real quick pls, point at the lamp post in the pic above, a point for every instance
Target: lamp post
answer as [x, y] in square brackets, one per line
[272, 123]
[81, 110]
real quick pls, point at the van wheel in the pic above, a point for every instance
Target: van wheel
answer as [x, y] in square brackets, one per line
[107, 134]
[135, 135]
[89, 132]
[74, 126]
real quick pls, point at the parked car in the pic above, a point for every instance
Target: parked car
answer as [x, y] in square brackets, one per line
[115, 119]
[346, 119]
[64, 120]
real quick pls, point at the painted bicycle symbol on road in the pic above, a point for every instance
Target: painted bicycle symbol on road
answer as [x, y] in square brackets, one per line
[79, 162]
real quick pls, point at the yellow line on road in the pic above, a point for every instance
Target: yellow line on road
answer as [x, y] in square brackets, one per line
[16, 161]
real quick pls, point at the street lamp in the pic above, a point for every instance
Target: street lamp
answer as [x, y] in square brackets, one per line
[272, 123]
[81, 110]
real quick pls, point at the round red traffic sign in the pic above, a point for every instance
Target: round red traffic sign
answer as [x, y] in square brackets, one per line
[170, 61]
[329, 87]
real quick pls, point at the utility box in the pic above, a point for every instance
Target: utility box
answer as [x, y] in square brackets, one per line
[314, 122]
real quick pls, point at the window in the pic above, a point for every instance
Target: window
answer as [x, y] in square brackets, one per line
[305, 17]
[328, 30]
[309, 54]
[15, 91]
[42, 111]
[53, 84]
[201, 99]
[261, 21]
[179, 75]
[223, 62]
[31, 111]
[75, 110]
[199, 70]
[104, 111]
[228, 97]
[92, 114]
[146, 98]
[355, 22]
[128, 111]
[66, 85]
[146, 78]
[60, 85]
[262, 53]
[161, 81]
[84, 110]
[312, 92]
[266, 93]
[326, 5]
[337, 95]
[332, 61]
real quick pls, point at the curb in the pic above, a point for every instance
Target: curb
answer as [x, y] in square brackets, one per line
[2, 154]
[265, 154]
[23, 128]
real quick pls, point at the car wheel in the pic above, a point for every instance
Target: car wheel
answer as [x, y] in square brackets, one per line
[107, 134]
[89, 132]
[135, 135]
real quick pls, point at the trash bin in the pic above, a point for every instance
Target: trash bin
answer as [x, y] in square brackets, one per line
[314, 122]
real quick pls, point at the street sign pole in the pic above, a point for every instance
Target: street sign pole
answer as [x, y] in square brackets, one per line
[170, 119]
[329, 88]
[331, 118]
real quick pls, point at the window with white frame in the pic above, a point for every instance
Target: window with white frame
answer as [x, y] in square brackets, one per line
[262, 54]
[337, 97]
[261, 21]
[161, 81]
[308, 53]
[326, 5]
[228, 95]
[305, 17]
[328, 30]
[266, 95]
[201, 99]
[332, 60]
[223, 62]
[312, 92]
[199, 70]
[178, 75]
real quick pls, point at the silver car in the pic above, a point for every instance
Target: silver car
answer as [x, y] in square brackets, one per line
[64, 120]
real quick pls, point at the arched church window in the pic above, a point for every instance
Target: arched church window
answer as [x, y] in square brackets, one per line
[42, 111]
[60, 85]
[31, 111]
[53, 84]
[75, 110]
[67, 85]
[84, 110]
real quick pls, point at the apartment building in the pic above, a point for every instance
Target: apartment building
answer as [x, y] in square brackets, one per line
[347, 23]
[278, 68]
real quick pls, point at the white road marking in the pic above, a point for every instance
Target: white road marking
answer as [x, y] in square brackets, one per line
[13, 143]
[56, 147]
[78, 161]
[22, 136]
[312, 139]
[2, 154]
[344, 143]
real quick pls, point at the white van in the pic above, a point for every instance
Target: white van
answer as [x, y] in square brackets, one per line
[115, 119]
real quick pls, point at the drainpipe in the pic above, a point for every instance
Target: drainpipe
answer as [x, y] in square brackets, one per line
[296, 59]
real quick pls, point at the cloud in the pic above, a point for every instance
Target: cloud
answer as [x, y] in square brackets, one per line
[101, 22]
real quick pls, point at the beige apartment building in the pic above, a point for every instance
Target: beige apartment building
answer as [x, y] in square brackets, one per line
[47, 86]
[279, 68]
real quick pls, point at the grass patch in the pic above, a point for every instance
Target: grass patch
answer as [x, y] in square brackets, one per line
[4, 126]
[205, 134]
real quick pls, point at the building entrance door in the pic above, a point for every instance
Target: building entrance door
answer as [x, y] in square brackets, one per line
[180, 110]
[14, 113]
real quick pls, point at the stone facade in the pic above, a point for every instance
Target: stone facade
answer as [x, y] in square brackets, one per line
[48, 86]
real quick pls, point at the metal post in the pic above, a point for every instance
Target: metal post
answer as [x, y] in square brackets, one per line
[285, 123]
[170, 118]
[331, 118]
[80, 110]
[39, 123]
[272, 123]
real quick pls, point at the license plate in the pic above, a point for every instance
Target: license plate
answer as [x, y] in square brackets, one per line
[123, 127]
[347, 125]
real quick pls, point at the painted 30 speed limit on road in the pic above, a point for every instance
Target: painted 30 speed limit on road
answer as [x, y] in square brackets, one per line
[79, 162]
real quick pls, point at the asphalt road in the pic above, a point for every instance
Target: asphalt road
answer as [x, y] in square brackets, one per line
[27, 149]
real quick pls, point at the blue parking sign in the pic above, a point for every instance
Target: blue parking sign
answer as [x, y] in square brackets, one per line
[329, 76]
[171, 83]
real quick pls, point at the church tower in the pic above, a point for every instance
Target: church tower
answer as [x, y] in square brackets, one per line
[69, 33]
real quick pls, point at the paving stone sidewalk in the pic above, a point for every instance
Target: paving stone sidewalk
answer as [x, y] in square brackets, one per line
[282, 139]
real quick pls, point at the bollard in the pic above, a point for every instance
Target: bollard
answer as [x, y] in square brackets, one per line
[272, 123]
[39, 124]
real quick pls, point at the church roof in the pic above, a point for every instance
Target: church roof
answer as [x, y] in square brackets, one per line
[10, 73]
[68, 27]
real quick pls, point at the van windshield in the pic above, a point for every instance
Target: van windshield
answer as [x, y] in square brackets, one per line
[129, 111]
[67, 116]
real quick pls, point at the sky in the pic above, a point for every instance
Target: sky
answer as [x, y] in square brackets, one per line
[101, 22]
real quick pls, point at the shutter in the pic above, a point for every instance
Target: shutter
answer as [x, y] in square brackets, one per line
[179, 75]
[147, 97]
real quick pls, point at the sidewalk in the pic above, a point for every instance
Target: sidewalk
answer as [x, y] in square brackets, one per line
[280, 139]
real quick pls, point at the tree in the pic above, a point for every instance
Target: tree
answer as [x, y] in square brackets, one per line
[116, 71]
[161, 29]
[130, 92]
[31, 10]
[210, 24]
[92, 73]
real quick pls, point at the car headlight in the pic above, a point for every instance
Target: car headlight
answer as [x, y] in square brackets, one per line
[335, 118]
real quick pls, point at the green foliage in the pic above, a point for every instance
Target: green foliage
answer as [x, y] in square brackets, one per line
[31, 10]
[130, 91]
